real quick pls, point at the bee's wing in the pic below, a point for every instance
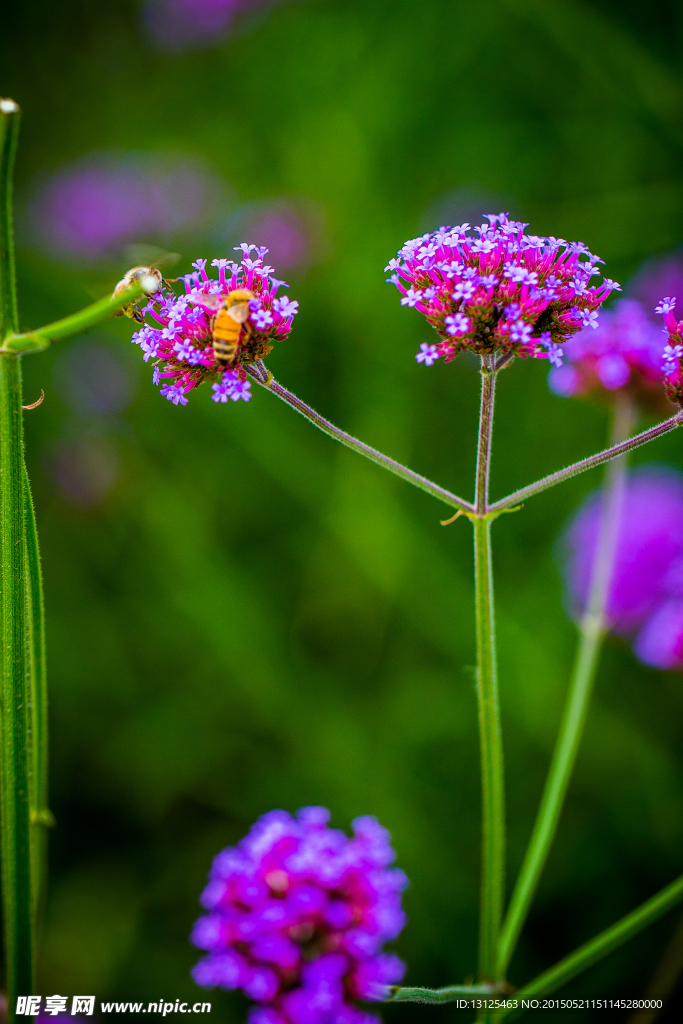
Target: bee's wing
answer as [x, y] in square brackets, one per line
[150, 255]
[208, 302]
[239, 312]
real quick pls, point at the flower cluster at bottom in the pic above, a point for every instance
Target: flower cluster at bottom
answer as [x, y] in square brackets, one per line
[645, 600]
[298, 916]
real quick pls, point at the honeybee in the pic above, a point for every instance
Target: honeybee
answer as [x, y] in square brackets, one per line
[151, 280]
[148, 276]
[230, 319]
[229, 322]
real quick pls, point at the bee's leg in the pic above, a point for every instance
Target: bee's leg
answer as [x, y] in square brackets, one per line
[137, 315]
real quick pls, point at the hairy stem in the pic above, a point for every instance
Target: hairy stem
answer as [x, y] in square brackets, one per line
[15, 760]
[490, 738]
[588, 954]
[590, 463]
[262, 376]
[434, 996]
[592, 631]
[15, 712]
[40, 813]
[9, 133]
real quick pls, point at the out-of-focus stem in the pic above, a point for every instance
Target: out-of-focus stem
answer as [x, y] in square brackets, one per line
[592, 632]
[262, 376]
[490, 737]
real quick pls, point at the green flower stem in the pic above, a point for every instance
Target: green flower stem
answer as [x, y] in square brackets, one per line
[41, 816]
[37, 341]
[434, 996]
[15, 758]
[15, 710]
[263, 376]
[592, 633]
[595, 460]
[588, 954]
[490, 738]
[9, 133]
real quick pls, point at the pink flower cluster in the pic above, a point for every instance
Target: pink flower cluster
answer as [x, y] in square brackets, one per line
[298, 915]
[672, 362]
[180, 344]
[625, 353]
[499, 289]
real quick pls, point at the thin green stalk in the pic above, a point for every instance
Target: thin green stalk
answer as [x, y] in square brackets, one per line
[263, 376]
[40, 813]
[434, 996]
[592, 633]
[15, 712]
[15, 761]
[588, 954]
[490, 737]
[590, 463]
[9, 133]
[37, 341]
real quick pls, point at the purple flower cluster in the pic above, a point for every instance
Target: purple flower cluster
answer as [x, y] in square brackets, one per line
[672, 361]
[625, 353]
[645, 600]
[499, 289]
[298, 915]
[181, 342]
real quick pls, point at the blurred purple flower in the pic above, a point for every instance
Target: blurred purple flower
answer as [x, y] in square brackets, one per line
[660, 275]
[94, 207]
[646, 593]
[660, 641]
[175, 25]
[298, 915]
[282, 229]
[624, 352]
[294, 231]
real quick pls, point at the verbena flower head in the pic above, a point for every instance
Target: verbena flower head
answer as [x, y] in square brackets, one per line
[497, 289]
[298, 914]
[672, 357]
[625, 353]
[178, 334]
[645, 597]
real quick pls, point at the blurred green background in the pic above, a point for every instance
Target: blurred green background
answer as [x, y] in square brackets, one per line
[242, 615]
